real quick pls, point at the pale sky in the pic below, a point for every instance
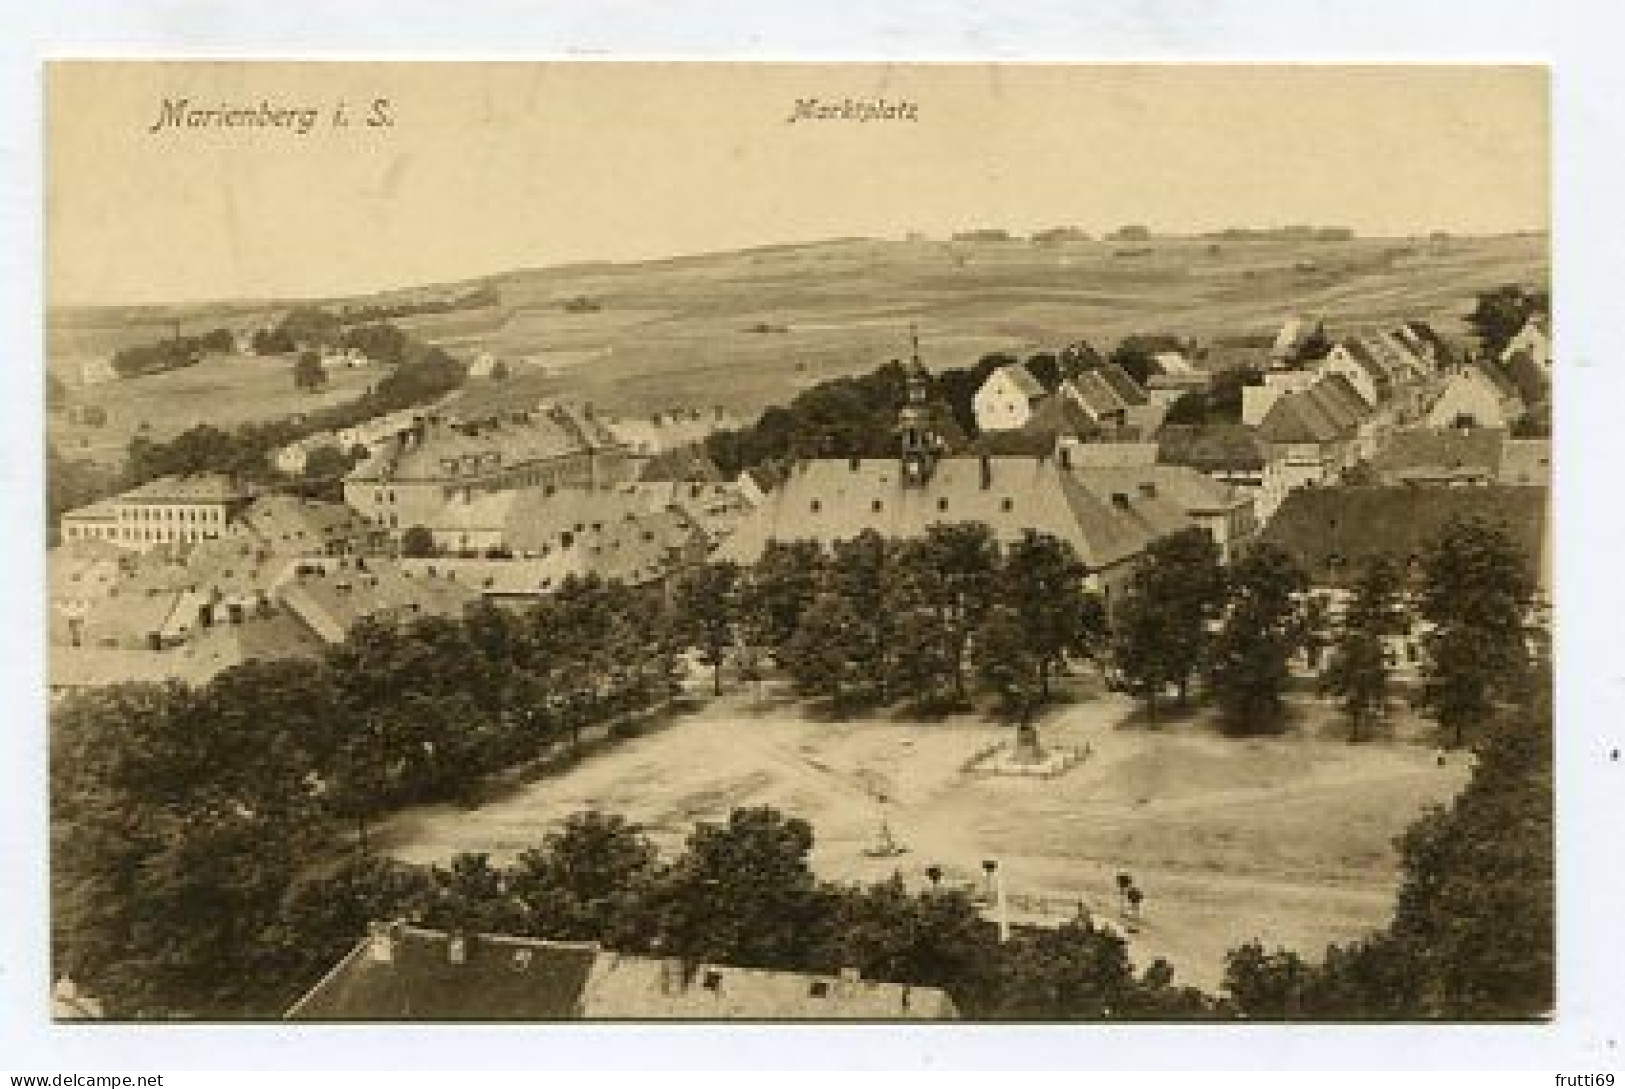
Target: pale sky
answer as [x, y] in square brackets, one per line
[491, 167]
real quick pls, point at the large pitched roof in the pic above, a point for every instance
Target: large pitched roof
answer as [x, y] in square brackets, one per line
[1302, 417]
[447, 449]
[286, 523]
[1128, 391]
[1096, 393]
[198, 488]
[1526, 461]
[1352, 525]
[1022, 378]
[649, 988]
[401, 973]
[499, 979]
[1436, 453]
[829, 500]
[329, 602]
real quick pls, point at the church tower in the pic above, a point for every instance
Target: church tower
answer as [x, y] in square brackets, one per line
[918, 441]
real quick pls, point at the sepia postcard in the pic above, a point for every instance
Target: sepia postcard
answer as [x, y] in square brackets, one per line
[548, 541]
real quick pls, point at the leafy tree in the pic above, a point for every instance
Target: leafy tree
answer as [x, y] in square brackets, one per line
[590, 881]
[308, 373]
[778, 590]
[819, 658]
[1074, 972]
[860, 572]
[1042, 581]
[310, 326]
[1160, 623]
[707, 597]
[1476, 593]
[1247, 668]
[742, 892]
[417, 541]
[1476, 906]
[1007, 665]
[1359, 673]
[1266, 986]
[271, 342]
[925, 939]
[1499, 314]
[952, 575]
[921, 661]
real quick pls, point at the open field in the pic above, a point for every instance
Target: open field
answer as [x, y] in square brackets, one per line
[1287, 839]
[681, 329]
[222, 390]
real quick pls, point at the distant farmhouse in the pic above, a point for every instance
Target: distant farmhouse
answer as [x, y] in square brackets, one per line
[400, 972]
[1476, 395]
[1008, 398]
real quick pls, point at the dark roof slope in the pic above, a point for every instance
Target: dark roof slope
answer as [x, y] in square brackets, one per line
[1211, 448]
[1342, 528]
[1428, 449]
[499, 979]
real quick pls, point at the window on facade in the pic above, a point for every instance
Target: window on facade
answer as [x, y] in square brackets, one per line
[1007, 504]
[942, 504]
[877, 506]
[817, 506]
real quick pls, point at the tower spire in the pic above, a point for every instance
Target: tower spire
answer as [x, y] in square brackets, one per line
[920, 443]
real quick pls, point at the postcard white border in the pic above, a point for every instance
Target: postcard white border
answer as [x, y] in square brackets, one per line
[1579, 39]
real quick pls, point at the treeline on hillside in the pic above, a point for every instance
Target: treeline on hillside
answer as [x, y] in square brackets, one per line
[1293, 233]
[169, 354]
[473, 299]
[420, 374]
[930, 622]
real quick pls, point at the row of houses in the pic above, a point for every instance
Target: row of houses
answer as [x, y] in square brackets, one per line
[1102, 396]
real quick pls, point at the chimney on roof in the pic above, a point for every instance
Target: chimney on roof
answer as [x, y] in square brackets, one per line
[987, 472]
[457, 949]
[850, 980]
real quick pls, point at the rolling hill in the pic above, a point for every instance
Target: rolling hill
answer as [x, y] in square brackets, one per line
[748, 328]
